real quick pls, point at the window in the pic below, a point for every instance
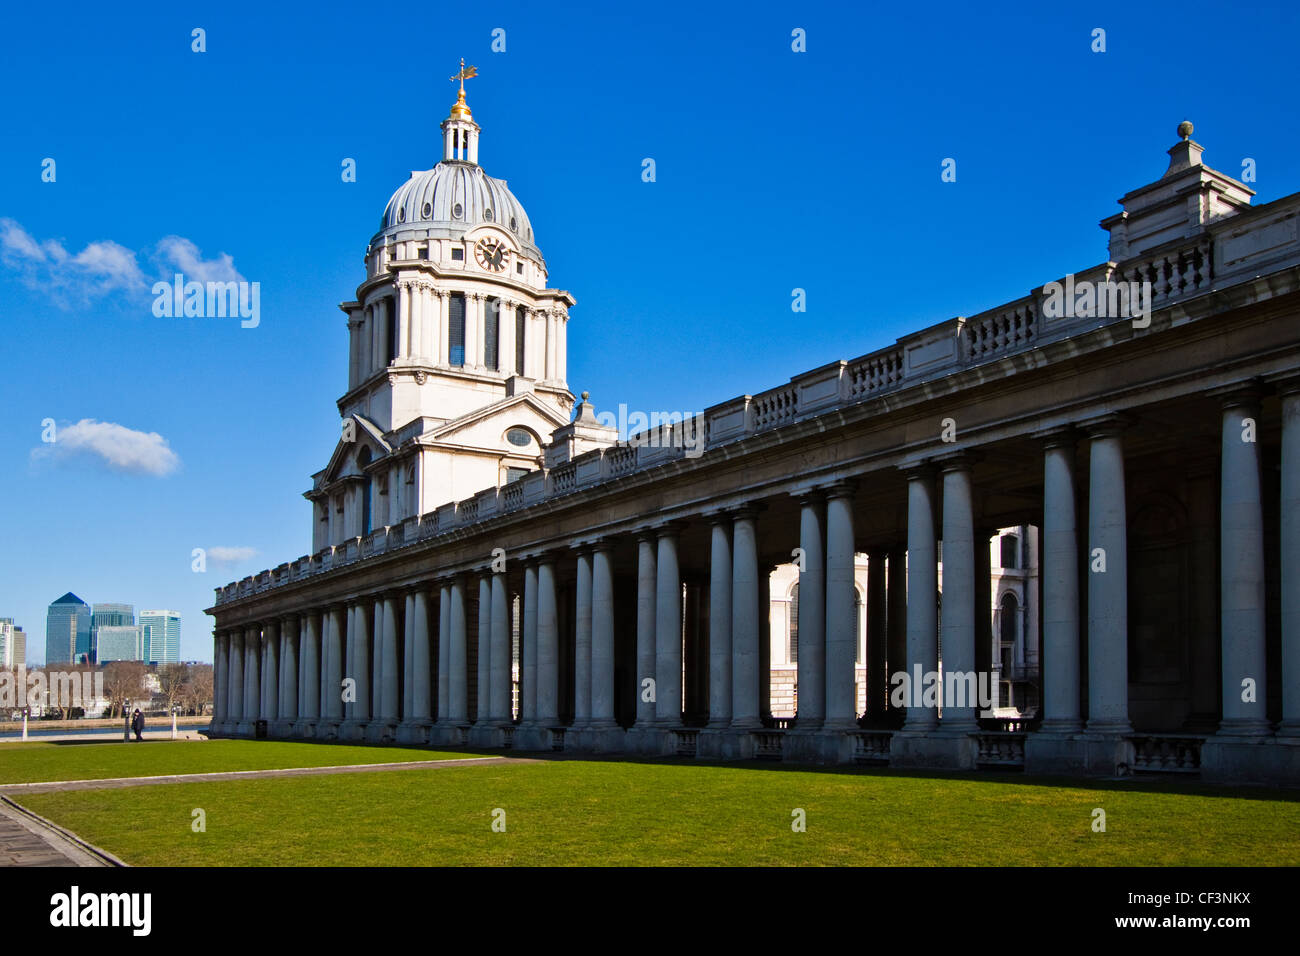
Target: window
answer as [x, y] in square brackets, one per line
[457, 211]
[390, 315]
[514, 474]
[860, 633]
[458, 255]
[520, 437]
[1008, 612]
[519, 268]
[1010, 550]
[794, 624]
[521, 326]
[491, 331]
[456, 329]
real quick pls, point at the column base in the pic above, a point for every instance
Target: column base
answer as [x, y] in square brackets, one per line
[824, 746]
[937, 750]
[1244, 727]
[305, 727]
[448, 734]
[353, 729]
[595, 740]
[381, 730]
[532, 737]
[281, 728]
[1091, 754]
[651, 741]
[1236, 760]
[725, 743]
[246, 728]
[1289, 729]
[488, 736]
[328, 729]
[414, 732]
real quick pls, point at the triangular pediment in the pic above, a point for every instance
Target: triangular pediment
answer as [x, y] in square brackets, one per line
[365, 434]
[508, 411]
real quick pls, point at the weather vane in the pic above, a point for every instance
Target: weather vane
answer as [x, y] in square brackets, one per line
[464, 73]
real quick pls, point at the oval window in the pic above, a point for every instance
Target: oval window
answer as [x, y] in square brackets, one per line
[517, 436]
[457, 211]
[428, 210]
[487, 214]
[514, 224]
[401, 214]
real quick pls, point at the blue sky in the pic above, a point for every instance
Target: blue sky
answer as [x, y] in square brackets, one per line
[776, 170]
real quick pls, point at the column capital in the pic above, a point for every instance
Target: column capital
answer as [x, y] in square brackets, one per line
[1286, 383]
[843, 488]
[918, 470]
[290, 617]
[1246, 393]
[1056, 436]
[1108, 425]
[962, 460]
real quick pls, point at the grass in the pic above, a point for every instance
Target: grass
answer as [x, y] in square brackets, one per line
[567, 812]
[32, 761]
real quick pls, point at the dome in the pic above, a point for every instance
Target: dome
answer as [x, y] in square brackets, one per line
[451, 199]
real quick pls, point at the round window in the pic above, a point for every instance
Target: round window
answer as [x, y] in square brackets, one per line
[457, 211]
[487, 214]
[514, 224]
[517, 436]
[428, 210]
[401, 214]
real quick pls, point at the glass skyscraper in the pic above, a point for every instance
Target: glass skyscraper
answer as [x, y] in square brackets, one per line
[162, 636]
[120, 642]
[67, 631]
[108, 615]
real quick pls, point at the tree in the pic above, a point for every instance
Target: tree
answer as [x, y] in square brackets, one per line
[123, 681]
[198, 688]
[172, 679]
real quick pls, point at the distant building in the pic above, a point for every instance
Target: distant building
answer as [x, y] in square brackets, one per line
[162, 636]
[121, 643]
[67, 631]
[108, 615]
[13, 644]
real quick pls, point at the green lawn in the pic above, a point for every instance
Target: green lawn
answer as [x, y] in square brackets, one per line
[30, 762]
[597, 812]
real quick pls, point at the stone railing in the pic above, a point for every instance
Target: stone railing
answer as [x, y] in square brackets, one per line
[767, 744]
[871, 746]
[1235, 249]
[1167, 753]
[1000, 749]
[685, 741]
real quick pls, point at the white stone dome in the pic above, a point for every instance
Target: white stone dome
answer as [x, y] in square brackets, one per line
[449, 200]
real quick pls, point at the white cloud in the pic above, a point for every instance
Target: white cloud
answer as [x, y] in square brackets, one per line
[225, 555]
[118, 447]
[181, 255]
[104, 266]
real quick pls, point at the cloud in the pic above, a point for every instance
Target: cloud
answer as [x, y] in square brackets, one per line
[224, 555]
[103, 267]
[120, 448]
[181, 255]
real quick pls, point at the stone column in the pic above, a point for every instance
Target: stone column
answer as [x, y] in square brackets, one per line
[252, 678]
[547, 645]
[444, 652]
[877, 637]
[506, 339]
[408, 657]
[668, 631]
[746, 628]
[922, 593]
[375, 652]
[528, 648]
[332, 702]
[896, 619]
[1241, 569]
[271, 673]
[720, 622]
[582, 645]
[359, 636]
[499, 663]
[1060, 583]
[309, 679]
[1108, 589]
[483, 704]
[645, 627]
[388, 685]
[404, 320]
[1290, 564]
[235, 684]
[810, 711]
[421, 681]
[458, 659]
[958, 620]
[841, 610]
[290, 638]
[602, 638]
[220, 680]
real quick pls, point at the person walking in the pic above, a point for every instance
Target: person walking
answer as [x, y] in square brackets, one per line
[137, 724]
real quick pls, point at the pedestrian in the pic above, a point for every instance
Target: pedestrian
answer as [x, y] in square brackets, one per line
[137, 724]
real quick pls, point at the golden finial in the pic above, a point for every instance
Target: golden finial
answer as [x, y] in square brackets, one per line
[464, 73]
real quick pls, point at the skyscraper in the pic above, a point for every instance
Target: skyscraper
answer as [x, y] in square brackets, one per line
[67, 631]
[120, 642]
[162, 636]
[108, 615]
[13, 644]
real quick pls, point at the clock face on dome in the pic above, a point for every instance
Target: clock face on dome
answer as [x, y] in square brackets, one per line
[491, 254]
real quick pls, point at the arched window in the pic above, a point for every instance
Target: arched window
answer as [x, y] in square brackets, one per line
[521, 327]
[1010, 551]
[794, 624]
[1008, 613]
[456, 329]
[491, 333]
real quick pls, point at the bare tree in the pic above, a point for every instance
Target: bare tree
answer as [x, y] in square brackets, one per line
[123, 681]
[198, 688]
[172, 679]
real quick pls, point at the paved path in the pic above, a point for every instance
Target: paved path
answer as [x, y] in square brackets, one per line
[29, 840]
[113, 783]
